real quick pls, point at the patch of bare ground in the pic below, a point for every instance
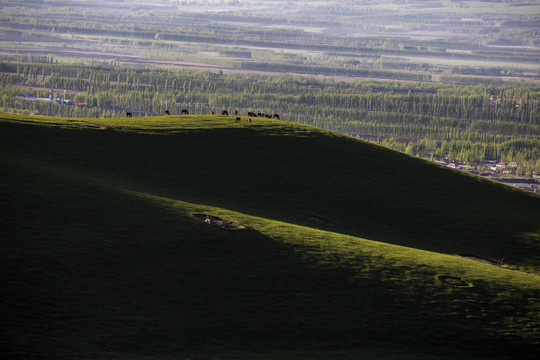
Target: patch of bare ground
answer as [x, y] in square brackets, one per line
[220, 223]
[88, 124]
[454, 281]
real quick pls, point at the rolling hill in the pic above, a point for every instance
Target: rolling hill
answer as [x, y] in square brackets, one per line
[205, 238]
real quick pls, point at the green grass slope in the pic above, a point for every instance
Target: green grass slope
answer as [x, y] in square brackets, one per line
[319, 246]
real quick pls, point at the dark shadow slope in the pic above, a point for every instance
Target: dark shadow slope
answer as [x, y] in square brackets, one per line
[90, 272]
[300, 174]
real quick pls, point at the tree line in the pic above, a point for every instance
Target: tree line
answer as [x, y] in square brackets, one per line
[477, 119]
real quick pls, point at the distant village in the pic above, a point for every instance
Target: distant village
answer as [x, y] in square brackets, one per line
[52, 98]
[499, 171]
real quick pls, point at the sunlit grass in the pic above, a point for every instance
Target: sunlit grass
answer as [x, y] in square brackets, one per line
[106, 251]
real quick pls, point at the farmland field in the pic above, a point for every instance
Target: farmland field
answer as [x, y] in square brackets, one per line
[365, 30]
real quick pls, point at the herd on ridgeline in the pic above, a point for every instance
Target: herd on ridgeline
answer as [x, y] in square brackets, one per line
[226, 113]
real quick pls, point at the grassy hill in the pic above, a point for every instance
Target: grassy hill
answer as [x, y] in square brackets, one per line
[319, 246]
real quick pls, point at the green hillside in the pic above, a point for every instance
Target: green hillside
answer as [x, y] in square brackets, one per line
[319, 246]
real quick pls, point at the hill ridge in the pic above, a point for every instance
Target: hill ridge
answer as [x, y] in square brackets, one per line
[104, 228]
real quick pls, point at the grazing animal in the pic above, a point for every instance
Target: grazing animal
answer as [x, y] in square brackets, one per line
[185, 112]
[211, 112]
[251, 114]
[167, 112]
[249, 121]
[224, 112]
[276, 116]
[235, 112]
[237, 119]
[269, 116]
[128, 114]
[260, 114]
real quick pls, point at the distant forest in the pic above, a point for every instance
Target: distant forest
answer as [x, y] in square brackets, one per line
[440, 79]
[469, 123]
[404, 40]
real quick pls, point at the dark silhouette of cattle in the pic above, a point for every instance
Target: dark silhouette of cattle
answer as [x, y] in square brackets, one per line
[185, 112]
[224, 112]
[167, 112]
[128, 114]
[249, 121]
[211, 112]
[268, 116]
[237, 119]
[235, 112]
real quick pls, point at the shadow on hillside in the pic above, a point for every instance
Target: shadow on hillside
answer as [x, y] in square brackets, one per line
[296, 175]
[91, 272]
